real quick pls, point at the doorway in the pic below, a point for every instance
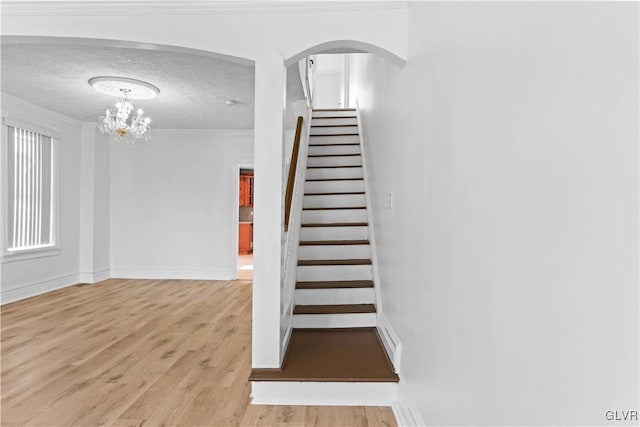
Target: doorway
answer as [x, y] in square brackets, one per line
[331, 73]
[245, 223]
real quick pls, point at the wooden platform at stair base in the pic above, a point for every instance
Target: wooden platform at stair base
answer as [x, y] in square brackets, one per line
[335, 355]
[329, 367]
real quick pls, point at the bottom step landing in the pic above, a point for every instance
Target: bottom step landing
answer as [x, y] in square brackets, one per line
[345, 367]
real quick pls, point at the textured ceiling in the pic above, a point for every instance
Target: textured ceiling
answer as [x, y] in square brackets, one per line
[193, 88]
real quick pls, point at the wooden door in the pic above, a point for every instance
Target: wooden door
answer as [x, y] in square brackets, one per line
[244, 190]
[244, 238]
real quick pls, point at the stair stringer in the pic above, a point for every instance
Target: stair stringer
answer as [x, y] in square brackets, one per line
[292, 241]
[389, 337]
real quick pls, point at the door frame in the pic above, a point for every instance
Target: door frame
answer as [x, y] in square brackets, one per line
[241, 164]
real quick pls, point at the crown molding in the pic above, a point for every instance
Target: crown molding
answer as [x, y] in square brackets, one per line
[16, 8]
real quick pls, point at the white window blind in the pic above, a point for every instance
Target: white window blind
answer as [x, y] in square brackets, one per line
[30, 188]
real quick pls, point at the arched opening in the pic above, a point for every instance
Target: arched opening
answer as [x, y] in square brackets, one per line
[185, 177]
[348, 46]
[326, 70]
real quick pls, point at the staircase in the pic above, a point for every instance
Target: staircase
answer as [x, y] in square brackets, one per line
[335, 355]
[334, 286]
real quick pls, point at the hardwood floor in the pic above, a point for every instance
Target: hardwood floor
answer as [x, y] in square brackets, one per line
[142, 353]
[245, 266]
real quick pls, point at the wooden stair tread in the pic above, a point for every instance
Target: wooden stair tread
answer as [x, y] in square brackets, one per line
[335, 193]
[333, 109]
[335, 179]
[334, 134]
[333, 242]
[332, 355]
[335, 284]
[333, 126]
[335, 309]
[336, 117]
[332, 145]
[334, 167]
[335, 224]
[334, 155]
[334, 208]
[321, 262]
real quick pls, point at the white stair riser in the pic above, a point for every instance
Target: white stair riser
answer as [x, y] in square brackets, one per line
[334, 233]
[334, 252]
[334, 296]
[333, 186]
[341, 139]
[334, 149]
[334, 173]
[350, 320]
[335, 161]
[336, 113]
[334, 200]
[323, 393]
[319, 273]
[333, 216]
[332, 122]
[334, 130]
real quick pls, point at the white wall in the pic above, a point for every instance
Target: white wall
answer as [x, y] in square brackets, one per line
[509, 261]
[95, 186]
[102, 207]
[174, 203]
[21, 279]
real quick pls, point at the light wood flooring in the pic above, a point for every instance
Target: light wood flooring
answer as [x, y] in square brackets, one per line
[142, 353]
[245, 266]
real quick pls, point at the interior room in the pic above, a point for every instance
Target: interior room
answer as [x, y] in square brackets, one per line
[326, 213]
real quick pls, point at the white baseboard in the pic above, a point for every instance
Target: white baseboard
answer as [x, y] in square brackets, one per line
[323, 394]
[96, 276]
[405, 411]
[391, 341]
[37, 288]
[159, 273]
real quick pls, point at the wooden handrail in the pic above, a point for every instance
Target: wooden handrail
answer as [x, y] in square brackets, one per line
[293, 166]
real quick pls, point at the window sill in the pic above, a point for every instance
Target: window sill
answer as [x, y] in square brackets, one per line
[29, 254]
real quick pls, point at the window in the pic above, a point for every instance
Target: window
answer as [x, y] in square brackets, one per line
[30, 190]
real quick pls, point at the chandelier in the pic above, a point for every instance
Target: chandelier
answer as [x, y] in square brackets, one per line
[120, 124]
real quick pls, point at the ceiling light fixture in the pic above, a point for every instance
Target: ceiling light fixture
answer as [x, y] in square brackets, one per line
[115, 123]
